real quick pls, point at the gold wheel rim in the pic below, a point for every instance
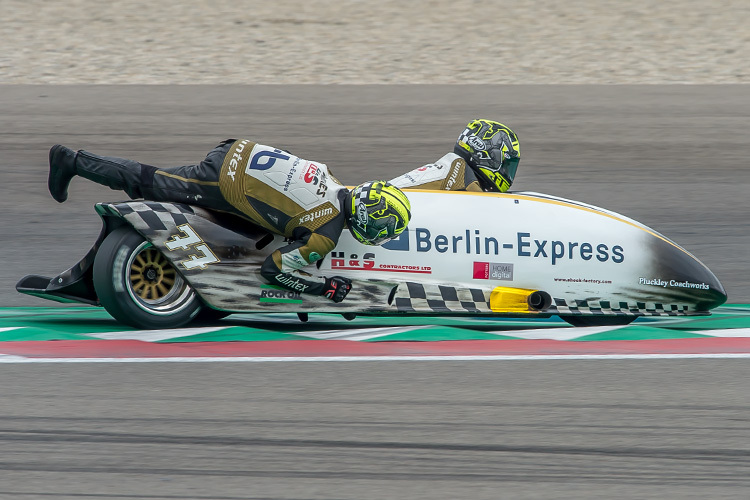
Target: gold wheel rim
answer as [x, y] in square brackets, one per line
[152, 276]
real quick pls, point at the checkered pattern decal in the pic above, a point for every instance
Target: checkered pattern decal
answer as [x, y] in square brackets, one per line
[464, 136]
[152, 215]
[426, 298]
[582, 307]
[438, 298]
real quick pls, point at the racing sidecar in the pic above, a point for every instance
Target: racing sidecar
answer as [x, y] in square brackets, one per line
[158, 265]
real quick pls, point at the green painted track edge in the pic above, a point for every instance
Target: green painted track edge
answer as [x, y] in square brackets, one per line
[85, 322]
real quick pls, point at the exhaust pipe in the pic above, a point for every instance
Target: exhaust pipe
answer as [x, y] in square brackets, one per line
[518, 300]
[539, 300]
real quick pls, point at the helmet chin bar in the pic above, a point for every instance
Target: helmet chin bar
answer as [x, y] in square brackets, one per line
[502, 183]
[496, 180]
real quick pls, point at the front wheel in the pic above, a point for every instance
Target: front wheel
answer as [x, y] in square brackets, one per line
[138, 286]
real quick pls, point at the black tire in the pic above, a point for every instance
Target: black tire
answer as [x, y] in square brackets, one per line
[208, 315]
[138, 286]
[599, 320]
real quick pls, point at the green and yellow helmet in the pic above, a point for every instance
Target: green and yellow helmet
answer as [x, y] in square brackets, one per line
[377, 212]
[491, 149]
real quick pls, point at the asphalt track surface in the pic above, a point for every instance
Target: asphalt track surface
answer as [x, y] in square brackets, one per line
[673, 157]
[416, 430]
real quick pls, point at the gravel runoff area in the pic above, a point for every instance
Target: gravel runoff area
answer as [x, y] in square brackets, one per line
[387, 41]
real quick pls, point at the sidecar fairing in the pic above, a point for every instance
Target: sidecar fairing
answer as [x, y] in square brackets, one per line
[530, 255]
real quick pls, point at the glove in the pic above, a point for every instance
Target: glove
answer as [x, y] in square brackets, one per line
[337, 288]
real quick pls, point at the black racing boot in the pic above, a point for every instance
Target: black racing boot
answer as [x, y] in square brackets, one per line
[115, 173]
[62, 168]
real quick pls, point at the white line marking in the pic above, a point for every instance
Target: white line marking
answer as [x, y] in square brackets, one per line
[288, 359]
[154, 335]
[729, 332]
[11, 328]
[359, 333]
[564, 333]
[10, 358]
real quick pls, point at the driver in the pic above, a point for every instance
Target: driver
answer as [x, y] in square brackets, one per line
[489, 148]
[272, 188]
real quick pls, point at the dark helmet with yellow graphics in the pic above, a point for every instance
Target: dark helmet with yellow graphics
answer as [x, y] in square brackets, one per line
[377, 212]
[491, 150]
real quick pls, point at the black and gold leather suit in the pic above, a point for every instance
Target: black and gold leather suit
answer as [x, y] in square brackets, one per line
[271, 188]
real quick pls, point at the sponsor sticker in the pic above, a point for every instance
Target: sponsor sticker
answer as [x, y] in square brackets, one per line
[316, 176]
[367, 262]
[291, 174]
[236, 159]
[270, 293]
[311, 216]
[362, 215]
[502, 271]
[585, 280]
[263, 160]
[309, 175]
[476, 143]
[474, 241]
[672, 283]
[295, 284]
[455, 168]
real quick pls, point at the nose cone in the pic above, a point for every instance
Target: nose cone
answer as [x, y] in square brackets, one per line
[689, 279]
